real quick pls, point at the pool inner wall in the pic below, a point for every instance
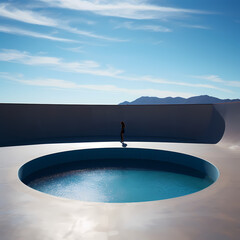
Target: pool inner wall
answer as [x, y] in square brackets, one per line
[117, 157]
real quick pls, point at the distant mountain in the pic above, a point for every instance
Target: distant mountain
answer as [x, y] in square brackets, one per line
[203, 99]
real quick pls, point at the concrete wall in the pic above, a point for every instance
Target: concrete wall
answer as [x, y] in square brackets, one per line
[231, 114]
[44, 123]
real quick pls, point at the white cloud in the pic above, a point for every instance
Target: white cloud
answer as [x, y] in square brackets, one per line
[195, 26]
[49, 83]
[233, 83]
[152, 28]
[156, 93]
[217, 79]
[94, 68]
[18, 31]
[63, 84]
[89, 34]
[74, 49]
[132, 9]
[7, 11]
[10, 55]
[212, 78]
[85, 67]
[165, 81]
[32, 17]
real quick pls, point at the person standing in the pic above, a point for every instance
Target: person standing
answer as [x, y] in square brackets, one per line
[122, 131]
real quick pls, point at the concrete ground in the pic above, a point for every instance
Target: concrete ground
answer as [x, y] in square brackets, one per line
[213, 213]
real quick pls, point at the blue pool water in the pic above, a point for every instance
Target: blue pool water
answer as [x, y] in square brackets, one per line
[118, 174]
[119, 184]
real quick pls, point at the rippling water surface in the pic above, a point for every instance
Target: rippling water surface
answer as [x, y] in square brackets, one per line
[119, 185]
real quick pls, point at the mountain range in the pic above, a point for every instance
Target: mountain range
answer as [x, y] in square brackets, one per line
[202, 99]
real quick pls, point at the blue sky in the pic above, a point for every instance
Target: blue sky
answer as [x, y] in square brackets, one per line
[109, 51]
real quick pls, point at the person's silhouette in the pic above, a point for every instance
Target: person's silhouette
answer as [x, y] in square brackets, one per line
[122, 131]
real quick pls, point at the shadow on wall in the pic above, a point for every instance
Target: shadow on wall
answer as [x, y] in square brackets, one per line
[215, 130]
[176, 123]
[43, 123]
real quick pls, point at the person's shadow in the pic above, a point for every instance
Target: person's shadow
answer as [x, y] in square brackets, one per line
[124, 144]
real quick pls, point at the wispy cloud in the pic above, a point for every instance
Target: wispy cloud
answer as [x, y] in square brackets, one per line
[10, 55]
[132, 9]
[152, 28]
[212, 78]
[32, 17]
[233, 83]
[217, 79]
[165, 81]
[85, 67]
[63, 84]
[74, 49]
[195, 26]
[19, 31]
[88, 34]
[93, 68]
[8, 11]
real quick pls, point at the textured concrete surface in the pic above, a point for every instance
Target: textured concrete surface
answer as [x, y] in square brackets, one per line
[213, 213]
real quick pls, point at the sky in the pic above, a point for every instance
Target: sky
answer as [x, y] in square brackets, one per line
[110, 51]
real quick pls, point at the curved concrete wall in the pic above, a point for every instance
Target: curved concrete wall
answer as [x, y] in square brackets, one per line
[230, 112]
[44, 123]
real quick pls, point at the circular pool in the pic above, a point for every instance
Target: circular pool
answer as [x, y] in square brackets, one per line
[118, 174]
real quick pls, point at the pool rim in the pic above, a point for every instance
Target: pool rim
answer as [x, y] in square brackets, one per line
[40, 159]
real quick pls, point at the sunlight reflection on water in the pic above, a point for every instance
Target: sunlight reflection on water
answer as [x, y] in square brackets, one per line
[119, 185]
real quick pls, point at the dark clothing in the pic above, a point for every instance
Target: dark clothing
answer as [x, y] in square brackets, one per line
[122, 131]
[123, 127]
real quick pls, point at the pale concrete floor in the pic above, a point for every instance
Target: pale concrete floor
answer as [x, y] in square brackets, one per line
[213, 213]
